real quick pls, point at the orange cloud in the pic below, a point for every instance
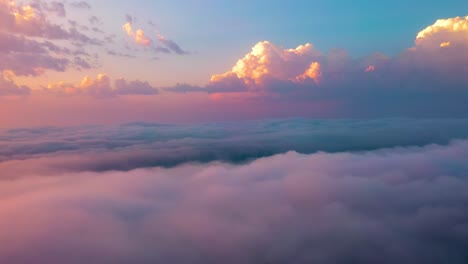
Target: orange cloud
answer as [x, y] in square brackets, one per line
[444, 33]
[8, 87]
[456, 24]
[445, 44]
[139, 35]
[22, 14]
[103, 86]
[313, 72]
[141, 39]
[267, 60]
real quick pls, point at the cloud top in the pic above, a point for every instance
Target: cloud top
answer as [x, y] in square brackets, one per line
[405, 205]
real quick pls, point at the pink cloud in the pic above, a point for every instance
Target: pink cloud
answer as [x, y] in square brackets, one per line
[139, 36]
[8, 86]
[276, 209]
[103, 87]
[269, 61]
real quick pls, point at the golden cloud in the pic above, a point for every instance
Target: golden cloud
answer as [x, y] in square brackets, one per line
[268, 60]
[444, 33]
[139, 36]
[456, 24]
[313, 72]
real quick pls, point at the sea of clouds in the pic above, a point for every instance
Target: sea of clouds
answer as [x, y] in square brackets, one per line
[276, 191]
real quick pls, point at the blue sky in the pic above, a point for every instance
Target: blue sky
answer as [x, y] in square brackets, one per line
[218, 33]
[358, 26]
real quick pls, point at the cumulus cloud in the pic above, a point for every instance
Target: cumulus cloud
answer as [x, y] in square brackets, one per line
[444, 27]
[433, 73]
[269, 61]
[102, 87]
[404, 205]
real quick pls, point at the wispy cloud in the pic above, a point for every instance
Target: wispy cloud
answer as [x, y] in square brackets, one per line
[164, 44]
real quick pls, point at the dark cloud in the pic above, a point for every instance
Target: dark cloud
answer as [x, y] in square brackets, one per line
[402, 205]
[171, 45]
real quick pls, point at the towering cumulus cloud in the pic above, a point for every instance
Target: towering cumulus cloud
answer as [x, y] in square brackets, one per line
[405, 204]
[269, 61]
[457, 26]
[435, 67]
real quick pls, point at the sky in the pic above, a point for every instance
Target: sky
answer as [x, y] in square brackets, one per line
[208, 131]
[73, 63]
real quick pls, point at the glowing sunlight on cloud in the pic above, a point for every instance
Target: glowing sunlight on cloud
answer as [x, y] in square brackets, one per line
[267, 60]
[313, 72]
[138, 35]
[445, 32]
[102, 86]
[445, 44]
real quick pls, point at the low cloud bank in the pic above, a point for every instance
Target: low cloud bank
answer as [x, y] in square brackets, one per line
[142, 145]
[403, 205]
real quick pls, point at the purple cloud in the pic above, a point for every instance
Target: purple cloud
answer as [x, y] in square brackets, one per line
[386, 206]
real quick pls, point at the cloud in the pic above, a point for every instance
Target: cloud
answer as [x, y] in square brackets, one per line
[404, 205]
[171, 45]
[444, 27]
[141, 38]
[54, 7]
[269, 61]
[138, 35]
[142, 145]
[27, 57]
[31, 43]
[9, 87]
[433, 72]
[81, 4]
[32, 21]
[102, 87]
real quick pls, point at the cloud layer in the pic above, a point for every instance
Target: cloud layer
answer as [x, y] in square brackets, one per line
[142, 145]
[403, 205]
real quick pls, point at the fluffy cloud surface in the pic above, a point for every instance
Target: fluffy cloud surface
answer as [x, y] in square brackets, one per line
[393, 205]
